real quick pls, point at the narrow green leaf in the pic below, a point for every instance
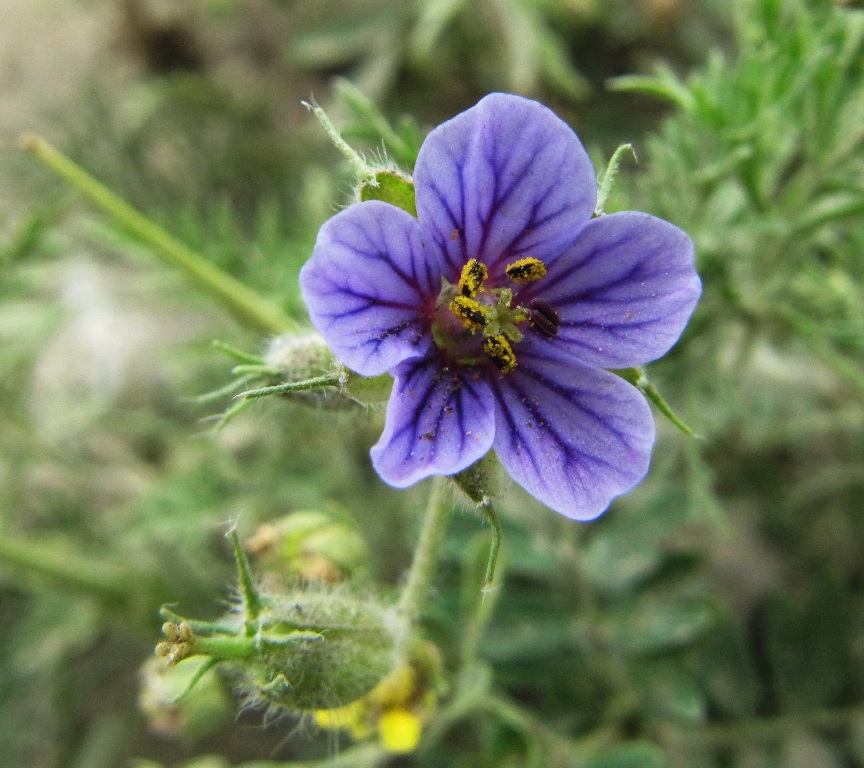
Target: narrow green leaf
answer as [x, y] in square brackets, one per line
[662, 88]
[607, 180]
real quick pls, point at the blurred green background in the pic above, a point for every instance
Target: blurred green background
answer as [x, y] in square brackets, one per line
[713, 617]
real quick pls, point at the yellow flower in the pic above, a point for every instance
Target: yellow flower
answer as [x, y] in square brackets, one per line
[399, 730]
[395, 710]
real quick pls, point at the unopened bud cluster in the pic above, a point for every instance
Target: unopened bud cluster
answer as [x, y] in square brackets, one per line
[318, 650]
[311, 648]
[300, 357]
[305, 651]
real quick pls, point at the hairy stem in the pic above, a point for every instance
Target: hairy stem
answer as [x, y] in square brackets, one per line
[426, 554]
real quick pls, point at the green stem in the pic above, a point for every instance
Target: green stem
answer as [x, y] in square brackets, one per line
[292, 386]
[198, 627]
[369, 114]
[238, 354]
[69, 572]
[196, 678]
[246, 304]
[477, 622]
[426, 554]
[637, 377]
[361, 169]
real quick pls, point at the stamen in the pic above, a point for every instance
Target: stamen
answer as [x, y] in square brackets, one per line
[499, 351]
[525, 270]
[472, 277]
[544, 317]
[472, 313]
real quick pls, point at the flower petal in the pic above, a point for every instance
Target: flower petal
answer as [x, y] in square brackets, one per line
[573, 436]
[505, 179]
[623, 291]
[439, 421]
[370, 286]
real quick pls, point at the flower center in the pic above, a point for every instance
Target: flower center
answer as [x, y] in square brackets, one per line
[474, 322]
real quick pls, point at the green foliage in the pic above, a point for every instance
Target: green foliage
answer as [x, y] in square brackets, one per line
[763, 167]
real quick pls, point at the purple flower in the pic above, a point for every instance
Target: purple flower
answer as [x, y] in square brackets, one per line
[498, 308]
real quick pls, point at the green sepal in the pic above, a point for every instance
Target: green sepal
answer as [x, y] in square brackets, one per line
[367, 390]
[637, 377]
[391, 187]
[246, 583]
[478, 483]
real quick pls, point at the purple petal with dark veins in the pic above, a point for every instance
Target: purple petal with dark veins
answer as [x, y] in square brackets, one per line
[503, 180]
[439, 421]
[370, 286]
[623, 291]
[573, 436]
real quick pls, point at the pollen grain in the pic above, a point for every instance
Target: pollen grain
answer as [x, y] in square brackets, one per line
[499, 351]
[472, 277]
[525, 270]
[473, 314]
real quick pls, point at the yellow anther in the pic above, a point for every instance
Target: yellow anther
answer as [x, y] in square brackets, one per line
[525, 270]
[472, 277]
[472, 313]
[499, 351]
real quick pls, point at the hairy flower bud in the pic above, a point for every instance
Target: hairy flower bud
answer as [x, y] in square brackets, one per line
[480, 481]
[312, 546]
[303, 651]
[300, 357]
[307, 356]
[346, 649]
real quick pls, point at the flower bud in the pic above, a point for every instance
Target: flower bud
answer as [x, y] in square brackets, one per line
[309, 650]
[319, 651]
[312, 546]
[306, 356]
[300, 356]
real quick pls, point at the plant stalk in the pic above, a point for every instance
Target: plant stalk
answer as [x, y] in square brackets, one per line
[426, 554]
[249, 307]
